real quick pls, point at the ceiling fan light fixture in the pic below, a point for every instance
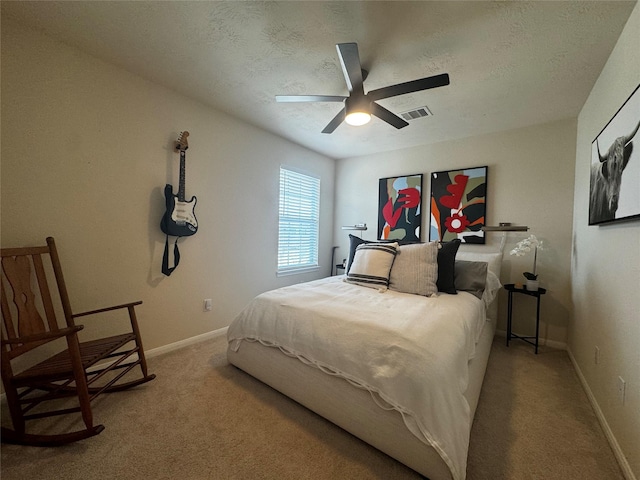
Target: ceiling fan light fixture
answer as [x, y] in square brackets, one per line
[358, 118]
[358, 111]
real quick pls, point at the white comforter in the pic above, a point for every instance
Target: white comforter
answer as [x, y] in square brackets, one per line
[411, 352]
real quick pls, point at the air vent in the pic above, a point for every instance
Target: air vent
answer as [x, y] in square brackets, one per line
[416, 113]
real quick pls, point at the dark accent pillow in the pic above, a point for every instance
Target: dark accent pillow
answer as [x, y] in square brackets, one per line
[471, 277]
[447, 266]
[353, 244]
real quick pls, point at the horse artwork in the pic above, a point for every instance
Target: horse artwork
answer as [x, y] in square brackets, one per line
[614, 192]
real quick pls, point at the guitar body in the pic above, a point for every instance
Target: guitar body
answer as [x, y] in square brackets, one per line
[179, 218]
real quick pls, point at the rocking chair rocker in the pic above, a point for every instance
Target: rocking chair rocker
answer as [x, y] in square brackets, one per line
[83, 369]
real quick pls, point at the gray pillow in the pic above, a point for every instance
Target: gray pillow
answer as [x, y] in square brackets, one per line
[471, 277]
[415, 269]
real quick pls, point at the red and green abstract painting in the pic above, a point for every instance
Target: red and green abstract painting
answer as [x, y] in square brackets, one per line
[458, 205]
[399, 208]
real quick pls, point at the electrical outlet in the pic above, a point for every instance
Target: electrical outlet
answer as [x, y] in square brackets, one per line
[622, 387]
[596, 356]
[207, 305]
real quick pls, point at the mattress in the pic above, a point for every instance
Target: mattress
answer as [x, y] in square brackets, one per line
[416, 363]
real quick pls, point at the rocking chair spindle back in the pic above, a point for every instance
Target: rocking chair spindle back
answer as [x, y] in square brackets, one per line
[82, 370]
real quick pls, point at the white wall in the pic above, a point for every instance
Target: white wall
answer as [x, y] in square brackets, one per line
[530, 182]
[606, 266]
[87, 148]
[86, 151]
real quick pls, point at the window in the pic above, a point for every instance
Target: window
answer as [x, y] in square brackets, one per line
[299, 215]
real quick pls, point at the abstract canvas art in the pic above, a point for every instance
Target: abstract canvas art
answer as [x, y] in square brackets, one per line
[458, 205]
[399, 208]
[614, 189]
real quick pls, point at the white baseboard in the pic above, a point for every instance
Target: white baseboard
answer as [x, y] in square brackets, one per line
[186, 342]
[166, 348]
[617, 451]
[553, 344]
[542, 341]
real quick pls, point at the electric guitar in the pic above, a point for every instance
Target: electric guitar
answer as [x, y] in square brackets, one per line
[179, 219]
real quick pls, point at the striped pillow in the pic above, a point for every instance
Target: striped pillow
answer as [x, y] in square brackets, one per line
[372, 265]
[415, 269]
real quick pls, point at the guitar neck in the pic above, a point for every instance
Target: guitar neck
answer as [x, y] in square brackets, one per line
[181, 192]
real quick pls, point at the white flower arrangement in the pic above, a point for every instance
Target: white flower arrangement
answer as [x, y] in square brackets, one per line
[525, 246]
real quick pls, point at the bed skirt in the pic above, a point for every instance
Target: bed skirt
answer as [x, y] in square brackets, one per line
[353, 409]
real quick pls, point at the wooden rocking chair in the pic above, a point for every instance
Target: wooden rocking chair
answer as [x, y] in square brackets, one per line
[82, 369]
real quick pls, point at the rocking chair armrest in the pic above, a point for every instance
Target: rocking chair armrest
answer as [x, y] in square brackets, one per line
[44, 337]
[107, 309]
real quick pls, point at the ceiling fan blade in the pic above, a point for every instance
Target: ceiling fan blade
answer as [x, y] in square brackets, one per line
[389, 117]
[309, 98]
[337, 120]
[409, 87]
[350, 62]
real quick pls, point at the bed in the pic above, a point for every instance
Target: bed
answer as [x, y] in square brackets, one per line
[356, 355]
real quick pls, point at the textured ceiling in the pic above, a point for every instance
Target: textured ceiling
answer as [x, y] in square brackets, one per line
[511, 64]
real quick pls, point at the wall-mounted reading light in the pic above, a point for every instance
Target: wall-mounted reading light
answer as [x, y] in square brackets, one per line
[357, 226]
[504, 227]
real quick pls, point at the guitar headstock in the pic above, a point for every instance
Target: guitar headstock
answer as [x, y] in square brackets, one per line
[182, 144]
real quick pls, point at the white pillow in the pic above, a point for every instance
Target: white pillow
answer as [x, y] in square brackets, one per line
[415, 269]
[372, 265]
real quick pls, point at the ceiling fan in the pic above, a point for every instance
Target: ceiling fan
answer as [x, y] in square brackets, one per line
[359, 106]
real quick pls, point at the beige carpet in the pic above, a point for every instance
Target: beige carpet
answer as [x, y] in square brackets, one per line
[204, 419]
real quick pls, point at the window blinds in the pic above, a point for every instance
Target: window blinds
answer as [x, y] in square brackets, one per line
[299, 215]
